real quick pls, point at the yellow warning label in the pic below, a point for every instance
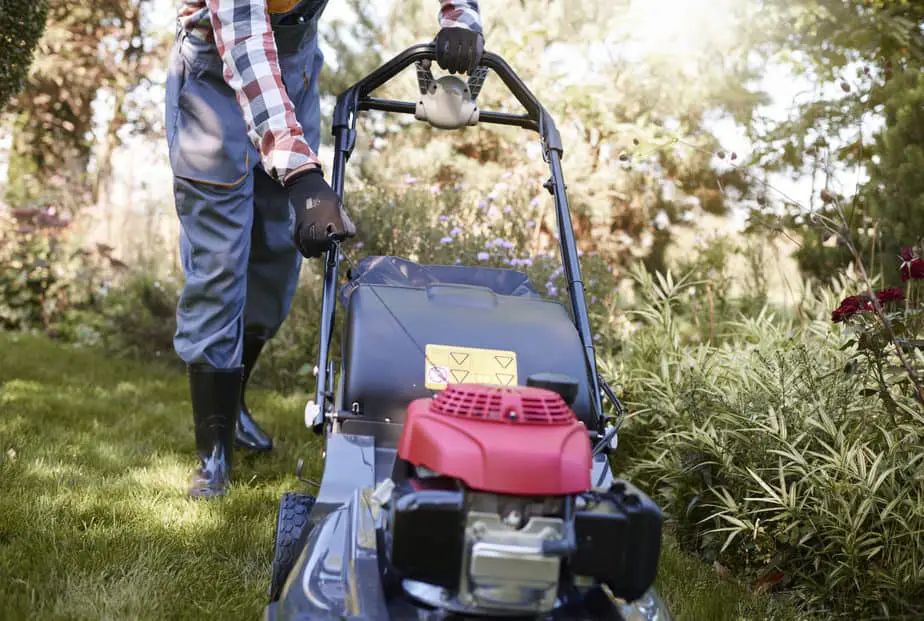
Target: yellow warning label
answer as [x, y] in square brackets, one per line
[448, 364]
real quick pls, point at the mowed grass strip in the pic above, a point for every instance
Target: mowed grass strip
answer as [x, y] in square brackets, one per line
[95, 456]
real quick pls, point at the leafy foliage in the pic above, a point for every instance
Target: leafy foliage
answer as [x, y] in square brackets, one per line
[86, 48]
[772, 459]
[895, 193]
[862, 61]
[632, 115]
[22, 23]
[46, 277]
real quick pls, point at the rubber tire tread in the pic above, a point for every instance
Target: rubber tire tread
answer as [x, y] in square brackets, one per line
[291, 520]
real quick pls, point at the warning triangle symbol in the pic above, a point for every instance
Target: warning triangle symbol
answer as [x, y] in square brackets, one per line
[459, 375]
[459, 358]
[503, 361]
[505, 379]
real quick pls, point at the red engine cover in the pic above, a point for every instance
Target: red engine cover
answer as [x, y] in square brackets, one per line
[519, 440]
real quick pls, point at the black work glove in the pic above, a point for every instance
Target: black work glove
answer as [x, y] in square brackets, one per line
[459, 50]
[319, 217]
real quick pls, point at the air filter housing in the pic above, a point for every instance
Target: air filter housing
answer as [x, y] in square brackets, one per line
[519, 440]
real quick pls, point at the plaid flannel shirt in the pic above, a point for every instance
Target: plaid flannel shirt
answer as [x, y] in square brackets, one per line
[242, 33]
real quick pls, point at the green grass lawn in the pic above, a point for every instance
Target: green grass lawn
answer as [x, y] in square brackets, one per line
[95, 454]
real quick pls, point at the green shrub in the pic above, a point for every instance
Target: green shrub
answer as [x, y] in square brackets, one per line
[770, 458]
[46, 276]
[448, 226]
[135, 320]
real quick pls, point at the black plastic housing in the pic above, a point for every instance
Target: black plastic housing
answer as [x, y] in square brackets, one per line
[358, 97]
[619, 540]
[387, 328]
[427, 536]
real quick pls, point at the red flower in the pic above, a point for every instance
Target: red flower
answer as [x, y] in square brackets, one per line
[849, 307]
[892, 294]
[911, 266]
[913, 269]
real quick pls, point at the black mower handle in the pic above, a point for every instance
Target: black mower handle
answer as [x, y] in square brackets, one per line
[356, 98]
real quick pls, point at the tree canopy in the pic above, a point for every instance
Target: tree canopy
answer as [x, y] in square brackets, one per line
[22, 23]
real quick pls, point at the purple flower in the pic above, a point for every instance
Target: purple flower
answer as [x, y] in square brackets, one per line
[507, 175]
[596, 337]
[444, 219]
[359, 245]
[534, 202]
[409, 180]
[455, 231]
[580, 253]
[593, 299]
[483, 256]
[492, 195]
[460, 186]
[530, 224]
[458, 261]
[446, 240]
[508, 209]
[435, 189]
[482, 204]
[509, 245]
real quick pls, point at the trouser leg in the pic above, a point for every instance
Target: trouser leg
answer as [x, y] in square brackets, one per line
[215, 243]
[213, 190]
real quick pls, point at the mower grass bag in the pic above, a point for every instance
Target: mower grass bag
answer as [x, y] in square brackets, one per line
[413, 329]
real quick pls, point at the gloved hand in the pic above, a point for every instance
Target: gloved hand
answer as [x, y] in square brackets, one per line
[319, 217]
[459, 50]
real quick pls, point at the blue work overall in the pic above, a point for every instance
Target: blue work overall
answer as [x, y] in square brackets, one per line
[240, 264]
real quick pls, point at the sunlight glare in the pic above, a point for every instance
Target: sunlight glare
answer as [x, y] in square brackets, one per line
[679, 27]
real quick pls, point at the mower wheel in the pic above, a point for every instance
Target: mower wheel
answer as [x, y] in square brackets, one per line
[291, 522]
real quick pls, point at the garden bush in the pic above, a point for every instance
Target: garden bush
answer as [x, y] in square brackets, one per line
[779, 452]
[48, 275]
[442, 225]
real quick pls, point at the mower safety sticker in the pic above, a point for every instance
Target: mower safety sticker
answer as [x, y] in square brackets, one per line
[449, 364]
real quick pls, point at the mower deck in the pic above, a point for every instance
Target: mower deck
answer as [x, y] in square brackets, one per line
[338, 574]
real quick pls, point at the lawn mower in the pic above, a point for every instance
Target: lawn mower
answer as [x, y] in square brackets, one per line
[466, 471]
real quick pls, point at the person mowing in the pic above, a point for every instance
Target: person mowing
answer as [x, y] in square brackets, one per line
[243, 125]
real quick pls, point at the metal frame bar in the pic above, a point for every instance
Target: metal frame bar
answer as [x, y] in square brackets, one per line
[357, 98]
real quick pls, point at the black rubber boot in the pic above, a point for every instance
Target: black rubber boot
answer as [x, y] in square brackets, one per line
[248, 434]
[216, 396]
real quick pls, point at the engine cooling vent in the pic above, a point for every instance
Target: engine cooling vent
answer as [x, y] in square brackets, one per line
[512, 405]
